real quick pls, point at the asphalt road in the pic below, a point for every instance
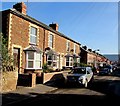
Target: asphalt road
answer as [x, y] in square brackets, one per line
[101, 93]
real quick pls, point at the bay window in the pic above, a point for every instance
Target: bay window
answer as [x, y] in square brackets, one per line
[34, 60]
[69, 61]
[52, 60]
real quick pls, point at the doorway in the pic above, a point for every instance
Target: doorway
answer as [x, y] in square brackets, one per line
[16, 56]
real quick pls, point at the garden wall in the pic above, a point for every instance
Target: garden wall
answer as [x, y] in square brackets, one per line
[9, 80]
[53, 76]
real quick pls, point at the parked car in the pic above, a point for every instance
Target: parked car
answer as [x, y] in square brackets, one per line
[81, 75]
[104, 71]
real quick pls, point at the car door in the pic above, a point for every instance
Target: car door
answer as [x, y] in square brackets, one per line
[89, 76]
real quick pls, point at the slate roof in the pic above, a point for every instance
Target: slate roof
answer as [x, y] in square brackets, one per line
[32, 20]
[33, 48]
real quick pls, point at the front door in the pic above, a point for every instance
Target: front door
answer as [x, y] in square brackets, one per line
[16, 54]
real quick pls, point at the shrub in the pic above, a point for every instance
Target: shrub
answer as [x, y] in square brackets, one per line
[6, 58]
[81, 65]
[45, 68]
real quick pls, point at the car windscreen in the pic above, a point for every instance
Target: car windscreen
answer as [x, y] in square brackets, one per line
[79, 71]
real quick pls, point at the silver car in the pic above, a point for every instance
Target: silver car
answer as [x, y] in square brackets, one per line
[81, 75]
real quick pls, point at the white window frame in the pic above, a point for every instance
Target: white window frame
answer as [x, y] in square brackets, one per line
[50, 41]
[74, 48]
[49, 60]
[70, 60]
[34, 60]
[33, 35]
[67, 46]
[53, 60]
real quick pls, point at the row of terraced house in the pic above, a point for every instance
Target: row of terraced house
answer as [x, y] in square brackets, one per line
[33, 43]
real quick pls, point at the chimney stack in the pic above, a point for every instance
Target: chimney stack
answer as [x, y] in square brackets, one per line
[90, 50]
[54, 26]
[21, 7]
[85, 47]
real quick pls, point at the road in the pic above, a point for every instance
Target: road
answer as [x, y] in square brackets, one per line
[102, 92]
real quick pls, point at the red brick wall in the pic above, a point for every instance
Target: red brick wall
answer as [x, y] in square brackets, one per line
[20, 31]
[60, 44]
[20, 36]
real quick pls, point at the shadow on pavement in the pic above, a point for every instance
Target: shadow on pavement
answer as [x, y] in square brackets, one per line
[64, 99]
[109, 87]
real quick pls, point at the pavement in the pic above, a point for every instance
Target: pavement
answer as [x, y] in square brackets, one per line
[22, 93]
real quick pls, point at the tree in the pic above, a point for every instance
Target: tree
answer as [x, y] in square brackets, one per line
[5, 58]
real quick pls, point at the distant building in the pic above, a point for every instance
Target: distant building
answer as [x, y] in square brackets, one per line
[91, 57]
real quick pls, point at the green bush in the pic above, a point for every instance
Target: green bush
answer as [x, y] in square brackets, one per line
[81, 65]
[45, 68]
[5, 57]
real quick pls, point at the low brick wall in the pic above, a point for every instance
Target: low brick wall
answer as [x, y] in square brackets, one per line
[52, 76]
[9, 81]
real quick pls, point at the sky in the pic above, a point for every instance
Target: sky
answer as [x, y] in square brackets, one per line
[94, 24]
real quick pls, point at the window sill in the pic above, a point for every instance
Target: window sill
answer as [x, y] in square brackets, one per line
[33, 68]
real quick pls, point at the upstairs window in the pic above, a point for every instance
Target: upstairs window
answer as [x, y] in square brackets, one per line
[50, 41]
[67, 46]
[74, 48]
[33, 35]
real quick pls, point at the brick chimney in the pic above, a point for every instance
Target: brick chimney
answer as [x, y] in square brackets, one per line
[21, 7]
[54, 26]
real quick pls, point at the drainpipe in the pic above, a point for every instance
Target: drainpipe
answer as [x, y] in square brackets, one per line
[43, 46]
[59, 61]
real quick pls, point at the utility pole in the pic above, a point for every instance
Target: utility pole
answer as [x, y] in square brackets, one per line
[27, 6]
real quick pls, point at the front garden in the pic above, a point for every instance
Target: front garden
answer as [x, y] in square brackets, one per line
[9, 74]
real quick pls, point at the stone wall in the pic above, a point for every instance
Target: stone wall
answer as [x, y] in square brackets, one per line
[9, 81]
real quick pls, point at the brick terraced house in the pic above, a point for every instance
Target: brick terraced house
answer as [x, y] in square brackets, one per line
[32, 43]
[91, 57]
